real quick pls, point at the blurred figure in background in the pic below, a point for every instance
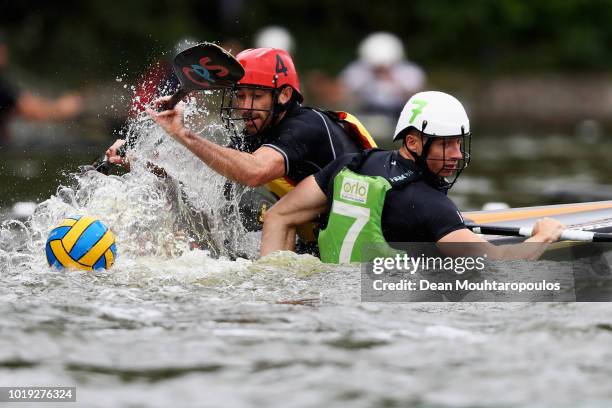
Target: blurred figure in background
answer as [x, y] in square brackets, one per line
[376, 85]
[275, 37]
[159, 79]
[382, 79]
[26, 105]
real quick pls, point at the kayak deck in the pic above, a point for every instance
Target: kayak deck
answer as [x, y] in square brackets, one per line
[593, 216]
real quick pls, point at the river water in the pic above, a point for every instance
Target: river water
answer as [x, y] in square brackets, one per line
[168, 325]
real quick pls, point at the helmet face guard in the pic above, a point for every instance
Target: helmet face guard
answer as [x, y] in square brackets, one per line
[234, 116]
[269, 69]
[465, 146]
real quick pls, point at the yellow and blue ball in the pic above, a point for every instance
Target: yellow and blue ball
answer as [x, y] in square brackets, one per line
[81, 242]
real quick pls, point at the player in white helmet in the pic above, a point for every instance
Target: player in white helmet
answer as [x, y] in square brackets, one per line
[393, 196]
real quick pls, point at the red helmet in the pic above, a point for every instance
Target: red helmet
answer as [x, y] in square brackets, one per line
[269, 67]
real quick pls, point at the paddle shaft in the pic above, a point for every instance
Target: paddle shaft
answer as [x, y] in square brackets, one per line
[566, 235]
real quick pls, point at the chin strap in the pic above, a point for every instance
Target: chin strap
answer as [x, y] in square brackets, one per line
[277, 107]
[420, 160]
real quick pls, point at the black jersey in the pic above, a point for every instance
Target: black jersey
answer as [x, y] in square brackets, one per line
[418, 212]
[306, 138]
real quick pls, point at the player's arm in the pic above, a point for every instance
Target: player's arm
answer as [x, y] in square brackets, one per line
[301, 205]
[251, 169]
[34, 107]
[260, 167]
[546, 231]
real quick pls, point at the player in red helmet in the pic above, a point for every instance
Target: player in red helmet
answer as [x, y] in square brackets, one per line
[276, 136]
[277, 142]
[267, 71]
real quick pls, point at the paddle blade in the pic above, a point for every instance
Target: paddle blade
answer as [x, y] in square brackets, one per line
[207, 66]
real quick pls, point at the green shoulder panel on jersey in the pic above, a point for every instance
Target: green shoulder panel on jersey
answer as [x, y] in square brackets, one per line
[355, 218]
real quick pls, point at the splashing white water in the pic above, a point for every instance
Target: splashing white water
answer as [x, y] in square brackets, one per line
[152, 217]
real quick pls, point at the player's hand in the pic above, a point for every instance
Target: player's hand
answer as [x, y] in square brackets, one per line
[547, 230]
[170, 120]
[114, 157]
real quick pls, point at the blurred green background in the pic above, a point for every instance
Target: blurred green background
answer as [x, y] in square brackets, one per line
[95, 39]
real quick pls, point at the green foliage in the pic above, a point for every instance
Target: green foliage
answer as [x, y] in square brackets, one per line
[101, 39]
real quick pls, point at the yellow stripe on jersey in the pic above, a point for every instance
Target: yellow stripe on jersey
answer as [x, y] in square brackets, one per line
[365, 139]
[280, 186]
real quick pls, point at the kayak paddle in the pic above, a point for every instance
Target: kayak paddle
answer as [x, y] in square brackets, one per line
[566, 235]
[201, 67]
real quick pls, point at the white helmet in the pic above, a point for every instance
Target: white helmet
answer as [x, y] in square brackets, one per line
[274, 37]
[436, 114]
[381, 48]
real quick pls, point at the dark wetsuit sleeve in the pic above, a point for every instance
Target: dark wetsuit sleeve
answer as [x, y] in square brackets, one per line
[325, 177]
[307, 139]
[294, 145]
[441, 218]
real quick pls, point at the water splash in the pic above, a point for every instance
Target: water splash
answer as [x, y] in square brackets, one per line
[153, 217]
